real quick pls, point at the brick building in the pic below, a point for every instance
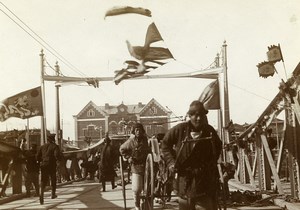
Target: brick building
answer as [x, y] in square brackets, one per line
[93, 121]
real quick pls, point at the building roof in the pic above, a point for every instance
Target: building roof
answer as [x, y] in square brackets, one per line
[108, 109]
[113, 109]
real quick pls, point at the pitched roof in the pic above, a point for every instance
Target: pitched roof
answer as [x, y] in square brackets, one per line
[88, 105]
[113, 109]
[153, 101]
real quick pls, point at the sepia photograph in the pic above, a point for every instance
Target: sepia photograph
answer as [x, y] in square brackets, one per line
[150, 105]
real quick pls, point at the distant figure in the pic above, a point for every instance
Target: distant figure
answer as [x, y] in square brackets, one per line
[62, 170]
[48, 156]
[198, 148]
[108, 158]
[136, 149]
[89, 167]
[31, 172]
[75, 168]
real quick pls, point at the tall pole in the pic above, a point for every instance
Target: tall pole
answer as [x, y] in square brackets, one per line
[226, 94]
[220, 114]
[58, 130]
[43, 123]
[227, 135]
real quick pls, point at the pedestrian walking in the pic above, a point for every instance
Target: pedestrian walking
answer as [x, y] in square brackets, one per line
[136, 149]
[31, 170]
[48, 156]
[197, 148]
[108, 159]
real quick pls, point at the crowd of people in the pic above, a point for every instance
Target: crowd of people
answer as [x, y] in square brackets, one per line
[55, 167]
[189, 154]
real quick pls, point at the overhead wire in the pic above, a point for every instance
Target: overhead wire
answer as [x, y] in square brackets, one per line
[45, 45]
[54, 52]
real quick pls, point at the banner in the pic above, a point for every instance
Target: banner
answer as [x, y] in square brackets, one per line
[210, 97]
[266, 69]
[152, 35]
[127, 10]
[274, 53]
[24, 105]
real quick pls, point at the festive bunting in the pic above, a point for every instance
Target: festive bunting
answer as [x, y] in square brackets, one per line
[144, 54]
[266, 69]
[152, 35]
[24, 105]
[125, 74]
[148, 53]
[133, 69]
[274, 54]
[93, 82]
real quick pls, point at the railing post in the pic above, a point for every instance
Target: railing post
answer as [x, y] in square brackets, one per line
[263, 167]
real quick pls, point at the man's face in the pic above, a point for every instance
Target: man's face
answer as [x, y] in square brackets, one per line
[197, 119]
[138, 132]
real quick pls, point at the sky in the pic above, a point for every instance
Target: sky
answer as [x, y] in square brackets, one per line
[85, 44]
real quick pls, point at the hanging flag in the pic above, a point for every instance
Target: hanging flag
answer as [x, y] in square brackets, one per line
[274, 54]
[152, 35]
[210, 97]
[145, 53]
[136, 67]
[133, 69]
[148, 53]
[125, 74]
[93, 82]
[127, 10]
[24, 105]
[266, 69]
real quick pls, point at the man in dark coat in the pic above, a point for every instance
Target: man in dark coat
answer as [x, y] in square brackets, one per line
[48, 156]
[197, 148]
[31, 168]
[108, 157]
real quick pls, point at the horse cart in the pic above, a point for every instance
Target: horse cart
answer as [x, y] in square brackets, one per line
[158, 180]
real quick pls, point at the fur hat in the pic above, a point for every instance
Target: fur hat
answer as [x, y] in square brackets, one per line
[197, 107]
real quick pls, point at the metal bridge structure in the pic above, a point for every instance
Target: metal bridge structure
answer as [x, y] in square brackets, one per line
[264, 167]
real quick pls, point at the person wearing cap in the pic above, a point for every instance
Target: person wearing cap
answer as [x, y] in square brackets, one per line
[194, 162]
[48, 156]
[31, 172]
[136, 149]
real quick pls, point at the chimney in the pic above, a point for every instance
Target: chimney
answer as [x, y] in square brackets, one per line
[140, 105]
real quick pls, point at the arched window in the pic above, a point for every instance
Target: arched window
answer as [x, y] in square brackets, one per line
[122, 125]
[113, 127]
[91, 113]
[153, 110]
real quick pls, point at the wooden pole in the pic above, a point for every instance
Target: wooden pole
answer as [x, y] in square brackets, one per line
[226, 94]
[43, 124]
[58, 130]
